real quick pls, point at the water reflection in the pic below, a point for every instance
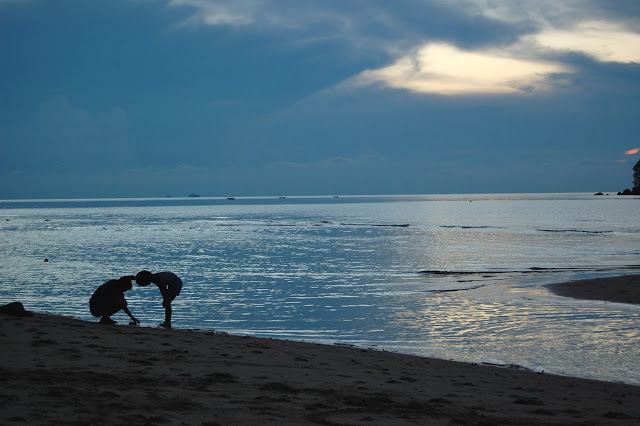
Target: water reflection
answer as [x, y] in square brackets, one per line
[330, 273]
[557, 336]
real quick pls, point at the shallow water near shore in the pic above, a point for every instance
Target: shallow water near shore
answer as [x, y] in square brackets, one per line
[456, 277]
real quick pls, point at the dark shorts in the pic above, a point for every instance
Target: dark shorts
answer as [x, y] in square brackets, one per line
[173, 289]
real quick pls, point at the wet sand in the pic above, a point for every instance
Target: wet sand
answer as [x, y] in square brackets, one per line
[59, 370]
[623, 289]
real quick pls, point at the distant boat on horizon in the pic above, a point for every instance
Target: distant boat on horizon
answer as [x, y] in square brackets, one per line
[231, 198]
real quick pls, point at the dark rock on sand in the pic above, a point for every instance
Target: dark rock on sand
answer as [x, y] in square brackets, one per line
[15, 309]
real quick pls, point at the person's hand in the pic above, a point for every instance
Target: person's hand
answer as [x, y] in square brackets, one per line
[134, 321]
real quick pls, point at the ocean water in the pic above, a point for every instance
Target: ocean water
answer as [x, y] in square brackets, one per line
[455, 277]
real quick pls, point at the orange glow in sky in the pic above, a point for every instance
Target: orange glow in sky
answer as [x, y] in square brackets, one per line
[632, 151]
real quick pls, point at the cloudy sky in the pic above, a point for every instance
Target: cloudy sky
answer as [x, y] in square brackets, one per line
[146, 98]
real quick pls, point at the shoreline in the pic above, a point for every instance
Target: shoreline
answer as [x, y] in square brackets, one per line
[64, 370]
[618, 289]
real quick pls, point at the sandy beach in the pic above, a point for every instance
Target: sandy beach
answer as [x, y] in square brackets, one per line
[60, 370]
[623, 289]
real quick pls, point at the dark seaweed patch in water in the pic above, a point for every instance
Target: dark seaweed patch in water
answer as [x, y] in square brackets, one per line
[532, 270]
[391, 225]
[578, 231]
[455, 289]
[454, 273]
[467, 226]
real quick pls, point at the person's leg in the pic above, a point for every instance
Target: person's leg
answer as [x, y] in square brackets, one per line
[97, 307]
[167, 311]
[167, 315]
[106, 317]
[109, 310]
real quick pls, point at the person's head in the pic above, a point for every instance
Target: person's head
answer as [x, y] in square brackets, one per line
[125, 283]
[143, 278]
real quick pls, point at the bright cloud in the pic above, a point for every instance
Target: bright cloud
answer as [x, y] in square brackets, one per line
[539, 11]
[632, 151]
[264, 14]
[308, 22]
[542, 29]
[219, 12]
[603, 41]
[444, 69]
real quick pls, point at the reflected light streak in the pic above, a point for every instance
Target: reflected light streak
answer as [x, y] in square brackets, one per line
[498, 331]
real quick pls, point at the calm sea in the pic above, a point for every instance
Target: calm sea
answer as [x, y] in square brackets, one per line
[455, 277]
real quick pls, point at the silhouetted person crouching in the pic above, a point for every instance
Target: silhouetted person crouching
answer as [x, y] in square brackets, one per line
[109, 299]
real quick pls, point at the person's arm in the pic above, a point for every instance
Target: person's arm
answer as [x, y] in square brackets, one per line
[128, 312]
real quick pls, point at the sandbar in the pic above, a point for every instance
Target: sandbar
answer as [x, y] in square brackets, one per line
[620, 289]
